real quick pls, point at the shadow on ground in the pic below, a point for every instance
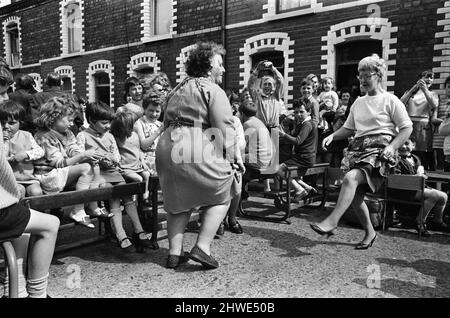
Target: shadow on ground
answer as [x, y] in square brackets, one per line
[438, 269]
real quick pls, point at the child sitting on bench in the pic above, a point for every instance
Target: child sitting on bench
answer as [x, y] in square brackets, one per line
[304, 139]
[410, 164]
[20, 148]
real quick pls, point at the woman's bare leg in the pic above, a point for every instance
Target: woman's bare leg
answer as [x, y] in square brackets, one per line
[362, 212]
[212, 217]
[176, 225]
[352, 180]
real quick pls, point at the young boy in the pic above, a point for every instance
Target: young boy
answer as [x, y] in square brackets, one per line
[409, 164]
[304, 139]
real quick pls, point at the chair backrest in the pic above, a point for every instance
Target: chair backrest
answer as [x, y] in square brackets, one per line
[405, 182]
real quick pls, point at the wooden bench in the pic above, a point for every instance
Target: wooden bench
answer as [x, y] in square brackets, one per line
[283, 198]
[69, 198]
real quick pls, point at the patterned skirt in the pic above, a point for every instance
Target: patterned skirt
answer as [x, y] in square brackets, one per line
[364, 153]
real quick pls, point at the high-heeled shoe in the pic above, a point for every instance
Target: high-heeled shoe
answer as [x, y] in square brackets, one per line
[422, 229]
[320, 231]
[362, 246]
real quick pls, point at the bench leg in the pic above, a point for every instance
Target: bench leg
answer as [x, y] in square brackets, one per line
[13, 271]
[154, 192]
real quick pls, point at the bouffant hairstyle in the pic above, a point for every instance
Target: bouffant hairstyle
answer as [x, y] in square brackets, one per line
[11, 110]
[129, 83]
[53, 110]
[99, 111]
[198, 63]
[248, 108]
[374, 64]
[122, 125]
[53, 80]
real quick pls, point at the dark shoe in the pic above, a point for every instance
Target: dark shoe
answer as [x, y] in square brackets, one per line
[173, 261]
[220, 231]
[197, 255]
[126, 249]
[319, 231]
[236, 228]
[146, 242]
[362, 246]
[422, 230]
[312, 191]
[441, 227]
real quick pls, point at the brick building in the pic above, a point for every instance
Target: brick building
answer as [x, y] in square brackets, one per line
[96, 44]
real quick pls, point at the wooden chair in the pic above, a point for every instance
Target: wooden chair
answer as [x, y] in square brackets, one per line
[408, 183]
[12, 267]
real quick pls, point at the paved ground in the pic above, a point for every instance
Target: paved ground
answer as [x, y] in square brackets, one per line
[268, 260]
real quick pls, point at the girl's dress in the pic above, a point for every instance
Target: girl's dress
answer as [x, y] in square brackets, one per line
[149, 129]
[130, 155]
[106, 145]
[52, 170]
[23, 141]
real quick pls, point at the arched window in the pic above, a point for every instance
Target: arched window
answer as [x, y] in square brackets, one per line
[72, 26]
[181, 59]
[101, 82]
[144, 65]
[276, 47]
[68, 78]
[12, 39]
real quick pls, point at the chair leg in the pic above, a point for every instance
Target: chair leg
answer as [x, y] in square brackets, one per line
[13, 270]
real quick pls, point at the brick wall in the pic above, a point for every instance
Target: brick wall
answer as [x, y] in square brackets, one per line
[104, 27]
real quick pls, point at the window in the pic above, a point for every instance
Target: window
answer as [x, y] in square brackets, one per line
[276, 57]
[157, 19]
[101, 82]
[68, 78]
[11, 41]
[12, 31]
[73, 15]
[291, 5]
[102, 88]
[67, 84]
[348, 56]
[72, 36]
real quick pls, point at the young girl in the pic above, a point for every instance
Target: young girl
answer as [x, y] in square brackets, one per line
[148, 129]
[132, 169]
[134, 92]
[328, 102]
[64, 163]
[97, 137]
[20, 148]
[304, 139]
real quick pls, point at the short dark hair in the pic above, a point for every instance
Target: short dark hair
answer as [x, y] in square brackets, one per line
[122, 125]
[426, 73]
[11, 109]
[198, 63]
[99, 111]
[299, 103]
[248, 108]
[6, 77]
[25, 81]
[53, 79]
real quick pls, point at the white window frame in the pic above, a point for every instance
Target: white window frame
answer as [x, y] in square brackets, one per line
[359, 29]
[63, 24]
[67, 71]
[146, 59]
[94, 68]
[181, 59]
[275, 41]
[7, 42]
[147, 32]
[271, 10]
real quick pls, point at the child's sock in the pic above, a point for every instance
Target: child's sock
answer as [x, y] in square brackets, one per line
[37, 288]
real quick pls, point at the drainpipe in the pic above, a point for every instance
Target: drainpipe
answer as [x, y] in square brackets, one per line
[224, 38]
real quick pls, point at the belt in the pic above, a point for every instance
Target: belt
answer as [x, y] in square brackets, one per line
[181, 122]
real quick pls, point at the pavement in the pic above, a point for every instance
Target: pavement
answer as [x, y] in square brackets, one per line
[269, 260]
